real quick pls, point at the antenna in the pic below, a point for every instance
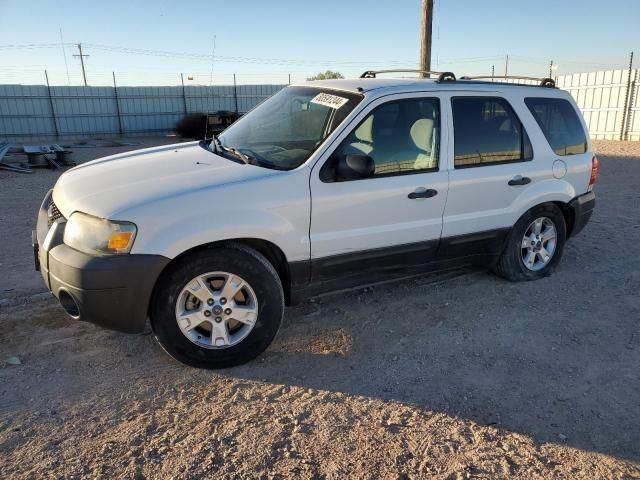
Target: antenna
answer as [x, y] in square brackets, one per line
[206, 117]
[64, 54]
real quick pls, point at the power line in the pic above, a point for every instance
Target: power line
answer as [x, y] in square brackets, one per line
[30, 46]
[310, 62]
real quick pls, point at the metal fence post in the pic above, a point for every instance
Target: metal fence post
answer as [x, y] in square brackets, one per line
[625, 112]
[630, 111]
[184, 96]
[235, 92]
[53, 110]
[115, 90]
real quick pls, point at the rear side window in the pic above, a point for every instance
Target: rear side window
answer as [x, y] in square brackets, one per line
[560, 124]
[487, 132]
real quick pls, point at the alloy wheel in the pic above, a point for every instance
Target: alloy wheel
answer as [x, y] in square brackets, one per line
[539, 244]
[216, 310]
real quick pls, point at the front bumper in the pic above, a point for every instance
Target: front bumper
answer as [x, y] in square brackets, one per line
[583, 207]
[111, 291]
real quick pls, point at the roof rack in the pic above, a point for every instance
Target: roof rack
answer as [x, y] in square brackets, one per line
[450, 77]
[442, 76]
[544, 82]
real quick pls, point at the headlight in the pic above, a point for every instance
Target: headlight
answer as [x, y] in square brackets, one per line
[94, 235]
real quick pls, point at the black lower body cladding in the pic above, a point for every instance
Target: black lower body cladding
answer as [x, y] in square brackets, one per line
[583, 207]
[113, 292]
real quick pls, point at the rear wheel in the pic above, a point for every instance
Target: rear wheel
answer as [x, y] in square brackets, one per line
[534, 246]
[218, 308]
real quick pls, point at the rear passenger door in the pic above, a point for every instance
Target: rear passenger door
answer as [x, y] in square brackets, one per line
[492, 163]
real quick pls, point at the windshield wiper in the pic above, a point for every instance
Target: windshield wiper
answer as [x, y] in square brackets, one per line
[215, 146]
[215, 143]
[234, 151]
[219, 149]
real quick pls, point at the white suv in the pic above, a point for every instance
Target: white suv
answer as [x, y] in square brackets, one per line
[326, 185]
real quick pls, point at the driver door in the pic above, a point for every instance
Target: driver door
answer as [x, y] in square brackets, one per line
[390, 222]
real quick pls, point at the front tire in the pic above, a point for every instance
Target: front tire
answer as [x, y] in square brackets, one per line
[218, 308]
[534, 247]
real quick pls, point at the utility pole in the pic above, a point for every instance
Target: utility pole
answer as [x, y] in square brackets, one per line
[506, 67]
[551, 69]
[84, 74]
[493, 72]
[425, 36]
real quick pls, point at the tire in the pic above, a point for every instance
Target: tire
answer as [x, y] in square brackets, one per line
[176, 283]
[511, 264]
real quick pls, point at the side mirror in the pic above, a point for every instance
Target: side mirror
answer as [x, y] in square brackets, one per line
[354, 167]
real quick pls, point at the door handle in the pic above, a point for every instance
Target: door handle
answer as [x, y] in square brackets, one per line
[519, 180]
[423, 194]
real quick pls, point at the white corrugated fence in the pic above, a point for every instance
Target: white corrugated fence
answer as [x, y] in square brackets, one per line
[35, 112]
[609, 100]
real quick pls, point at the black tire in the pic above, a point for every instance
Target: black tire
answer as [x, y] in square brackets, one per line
[232, 258]
[510, 265]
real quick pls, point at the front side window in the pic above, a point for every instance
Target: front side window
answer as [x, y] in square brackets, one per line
[487, 131]
[283, 131]
[401, 137]
[560, 124]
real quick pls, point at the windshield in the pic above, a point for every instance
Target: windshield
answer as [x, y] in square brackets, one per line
[283, 131]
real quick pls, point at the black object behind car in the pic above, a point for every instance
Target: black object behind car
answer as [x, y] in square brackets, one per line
[194, 125]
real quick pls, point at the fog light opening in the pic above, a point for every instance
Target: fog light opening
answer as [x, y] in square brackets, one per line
[69, 304]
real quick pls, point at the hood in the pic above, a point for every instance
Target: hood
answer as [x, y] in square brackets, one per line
[108, 186]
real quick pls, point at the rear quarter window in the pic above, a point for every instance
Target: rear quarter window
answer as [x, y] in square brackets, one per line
[560, 124]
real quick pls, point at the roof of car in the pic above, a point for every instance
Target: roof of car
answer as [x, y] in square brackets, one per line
[388, 85]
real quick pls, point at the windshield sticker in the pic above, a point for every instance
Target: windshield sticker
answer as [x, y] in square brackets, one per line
[328, 100]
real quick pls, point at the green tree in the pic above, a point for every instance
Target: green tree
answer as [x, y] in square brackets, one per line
[328, 75]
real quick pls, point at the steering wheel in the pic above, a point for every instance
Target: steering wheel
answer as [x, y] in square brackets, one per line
[279, 148]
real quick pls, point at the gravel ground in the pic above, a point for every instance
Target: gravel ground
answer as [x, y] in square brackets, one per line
[461, 376]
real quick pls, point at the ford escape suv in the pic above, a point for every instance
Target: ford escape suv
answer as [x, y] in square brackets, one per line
[326, 185]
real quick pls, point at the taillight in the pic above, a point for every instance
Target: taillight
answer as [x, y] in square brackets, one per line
[594, 173]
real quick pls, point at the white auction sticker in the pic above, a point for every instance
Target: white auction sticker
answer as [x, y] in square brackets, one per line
[328, 100]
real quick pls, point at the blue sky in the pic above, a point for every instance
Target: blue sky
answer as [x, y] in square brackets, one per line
[267, 41]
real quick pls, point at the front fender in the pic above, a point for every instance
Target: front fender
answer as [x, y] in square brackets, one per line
[192, 231]
[275, 208]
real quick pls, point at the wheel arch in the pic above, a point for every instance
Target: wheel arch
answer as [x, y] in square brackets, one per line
[569, 216]
[564, 206]
[269, 250]
[552, 191]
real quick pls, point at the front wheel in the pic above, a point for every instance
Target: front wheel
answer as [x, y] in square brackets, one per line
[218, 308]
[534, 246]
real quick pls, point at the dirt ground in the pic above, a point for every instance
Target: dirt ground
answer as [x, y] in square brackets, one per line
[456, 376]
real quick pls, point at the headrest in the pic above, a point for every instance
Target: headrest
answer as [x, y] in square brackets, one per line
[364, 131]
[420, 132]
